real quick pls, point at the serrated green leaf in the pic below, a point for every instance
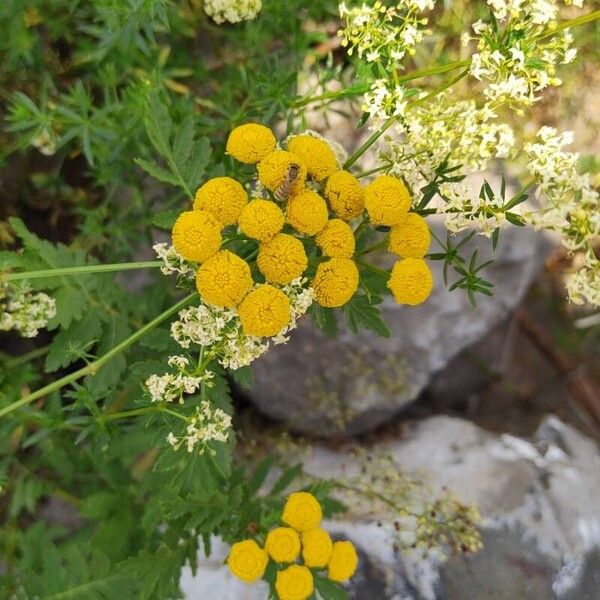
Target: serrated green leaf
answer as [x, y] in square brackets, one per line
[362, 313]
[157, 172]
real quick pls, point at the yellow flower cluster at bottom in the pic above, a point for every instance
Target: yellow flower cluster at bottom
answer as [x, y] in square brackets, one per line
[302, 535]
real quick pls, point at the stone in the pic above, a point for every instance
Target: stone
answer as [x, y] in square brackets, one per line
[538, 498]
[351, 384]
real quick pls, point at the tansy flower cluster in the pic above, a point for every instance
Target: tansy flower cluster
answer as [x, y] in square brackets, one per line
[298, 548]
[302, 200]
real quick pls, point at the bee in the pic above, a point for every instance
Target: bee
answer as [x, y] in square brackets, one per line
[284, 190]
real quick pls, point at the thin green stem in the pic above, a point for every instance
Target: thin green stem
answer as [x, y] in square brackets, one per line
[83, 270]
[27, 357]
[93, 367]
[593, 16]
[125, 414]
[374, 269]
[361, 89]
[378, 246]
[356, 155]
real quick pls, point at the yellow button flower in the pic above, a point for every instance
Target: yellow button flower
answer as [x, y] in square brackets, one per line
[316, 548]
[302, 511]
[223, 198]
[224, 279]
[345, 195]
[273, 171]
[387, 201]
[316, 154]
[261, 220]
[411, 281]
[247, 561]
[282, 259]
[250, 143]
[307, 212]
[294, 583]
[343, 561]
[336, 239]
[335, 282]
[196, 235]
[283, 544]
[265, 311]
[411, 238]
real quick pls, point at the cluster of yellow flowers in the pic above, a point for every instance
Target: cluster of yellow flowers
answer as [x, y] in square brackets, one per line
[301, 536]
[302, 193]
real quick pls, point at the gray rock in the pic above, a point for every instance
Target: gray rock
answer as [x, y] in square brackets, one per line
[352, 384]
[539, 502]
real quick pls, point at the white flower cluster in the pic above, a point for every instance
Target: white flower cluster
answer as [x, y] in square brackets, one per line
[384, 100]
[584, 285]
[174, 263]
[232, 11]
[519, 59]
[171, 387]
[571, 207]
[463, 137]
[220, 329]
[24, 311]
[384, 33]
[206, 425]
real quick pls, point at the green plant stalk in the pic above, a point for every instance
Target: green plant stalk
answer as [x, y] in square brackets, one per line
[355, 91]
[593, 16]
[83, 270]
[93, 367]
[354, 157]
[27, 357]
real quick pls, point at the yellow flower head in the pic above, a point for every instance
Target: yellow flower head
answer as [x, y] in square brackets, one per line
[307, 212]
[223, 198]
[316, 548]
[316, 154]
[387, 201]
[345, 195]
[247, 561]
[282, 259]
[283, 544]
[302, 511]
[343, 561]
[261, 220]
[411, 281]
[273, 171]
[224, 279]
[411, 238]
[250, 143]
[294, 583]
[335, 282]
[336, 239]
[265, 311]
[196, 235]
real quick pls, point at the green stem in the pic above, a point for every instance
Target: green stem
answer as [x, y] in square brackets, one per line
[378, 246]
[134, 412]
[369, 267]
[93, 367]
[357, 90]
[83, 270]
[27, 357]
[354, 157]
[593, 16]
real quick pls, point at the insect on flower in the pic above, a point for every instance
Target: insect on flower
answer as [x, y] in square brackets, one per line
[284, 190]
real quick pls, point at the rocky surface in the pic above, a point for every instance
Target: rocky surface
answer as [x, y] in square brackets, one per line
[352, 383]
[539, 499]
